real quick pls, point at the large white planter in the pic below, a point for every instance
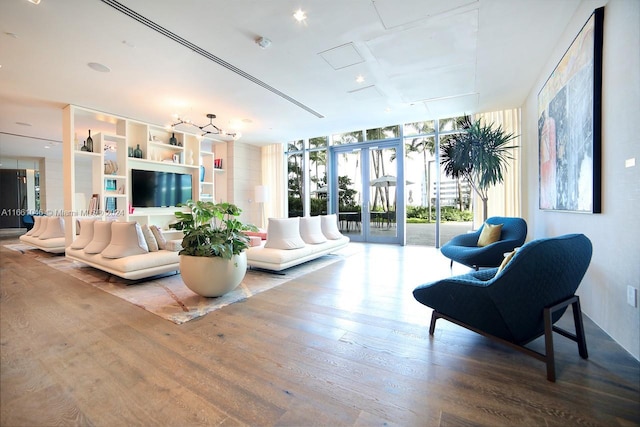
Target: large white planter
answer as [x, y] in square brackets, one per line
[212, 276]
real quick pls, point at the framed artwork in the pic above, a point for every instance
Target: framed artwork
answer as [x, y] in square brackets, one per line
[569, 125]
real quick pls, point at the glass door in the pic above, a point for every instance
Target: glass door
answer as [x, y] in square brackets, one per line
[369, 201]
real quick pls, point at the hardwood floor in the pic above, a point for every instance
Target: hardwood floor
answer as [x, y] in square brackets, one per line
[345, 345]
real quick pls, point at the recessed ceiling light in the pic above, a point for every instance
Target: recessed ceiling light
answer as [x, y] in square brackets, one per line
[128, 43]
[23, 124]
[360, 78]
[99, 67]
[12, 35]
[34, 1]
[46, 146]
[300, 15]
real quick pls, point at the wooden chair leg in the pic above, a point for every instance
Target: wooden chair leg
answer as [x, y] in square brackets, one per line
[548, 345]
[434, 317]
[577, 319]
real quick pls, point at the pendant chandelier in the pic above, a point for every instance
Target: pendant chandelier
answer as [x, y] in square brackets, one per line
[208, 129]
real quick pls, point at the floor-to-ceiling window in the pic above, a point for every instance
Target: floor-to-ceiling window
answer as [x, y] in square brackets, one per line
[318, 175]
[355, 174]
[295, 178]
[438, 207]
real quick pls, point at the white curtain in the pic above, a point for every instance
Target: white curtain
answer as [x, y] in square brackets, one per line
[504, 199]
[274, 177]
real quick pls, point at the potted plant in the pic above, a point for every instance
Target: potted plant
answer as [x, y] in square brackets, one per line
[213, 259]
[479, 154]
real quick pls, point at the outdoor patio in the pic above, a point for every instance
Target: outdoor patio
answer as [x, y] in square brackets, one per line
[421, 234]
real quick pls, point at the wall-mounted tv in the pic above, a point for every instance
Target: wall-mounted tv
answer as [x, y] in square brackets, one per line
[153, 189]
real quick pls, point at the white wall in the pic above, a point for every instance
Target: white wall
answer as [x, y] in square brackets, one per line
[244, 173]
[52, 189]
[615, 233]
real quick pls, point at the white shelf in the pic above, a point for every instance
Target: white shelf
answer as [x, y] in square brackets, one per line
[165, 146]
[87, 154]
[114, 138]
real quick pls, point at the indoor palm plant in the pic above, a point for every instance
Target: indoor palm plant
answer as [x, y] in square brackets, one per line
[213, 259]
[479, 154]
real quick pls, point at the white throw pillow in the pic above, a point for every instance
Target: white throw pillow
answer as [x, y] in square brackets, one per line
[329, 225]
[37, 226]
[86, 234]
[284, 233]
[311, 230]
[55, 228]
[126, 239]
[101, 237]
[157, 233]
[152, 243]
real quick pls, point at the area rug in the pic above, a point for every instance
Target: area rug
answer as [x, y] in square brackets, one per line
[167, 296]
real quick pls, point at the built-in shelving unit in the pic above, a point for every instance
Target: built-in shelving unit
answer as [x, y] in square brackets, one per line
[98, 183]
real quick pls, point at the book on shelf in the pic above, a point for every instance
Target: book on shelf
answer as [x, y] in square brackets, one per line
[94, 204]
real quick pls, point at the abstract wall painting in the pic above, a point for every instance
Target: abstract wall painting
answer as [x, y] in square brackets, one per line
[569, 125]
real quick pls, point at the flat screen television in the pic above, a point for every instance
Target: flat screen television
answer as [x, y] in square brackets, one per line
[154, 189]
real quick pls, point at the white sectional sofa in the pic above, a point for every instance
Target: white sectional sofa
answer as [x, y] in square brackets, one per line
[47, 234]
[293, 241]
[124, 249]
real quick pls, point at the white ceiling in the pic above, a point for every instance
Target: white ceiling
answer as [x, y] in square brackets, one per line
[420, 59]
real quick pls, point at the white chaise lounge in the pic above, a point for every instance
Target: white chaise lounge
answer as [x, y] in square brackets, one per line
[124, 249]
[47, 234]
[293, 241]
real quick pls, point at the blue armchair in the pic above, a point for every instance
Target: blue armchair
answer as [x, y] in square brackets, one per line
[523, 301]
[465, 250]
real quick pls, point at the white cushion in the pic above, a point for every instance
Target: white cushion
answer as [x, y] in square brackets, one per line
[329, 225]
[37, 226]
[86, 234]
[174, 245]
[152, 243]
[101, 237]
[157, 233]
[54, 229]
[311, 230]
[284, 233]
[126, 239]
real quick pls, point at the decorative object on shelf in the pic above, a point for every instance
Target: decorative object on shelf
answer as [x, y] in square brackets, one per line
[176, 158]
[110, 185]
[130, 151]
[173, 140]
[90, 142]
[202, 170]
[84, 146]
[213, 129]
[137, 153]
[110, 167]
[213, 260]
[190, 157]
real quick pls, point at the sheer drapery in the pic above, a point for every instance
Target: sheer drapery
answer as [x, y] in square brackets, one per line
[504, 199]
[274, 176]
